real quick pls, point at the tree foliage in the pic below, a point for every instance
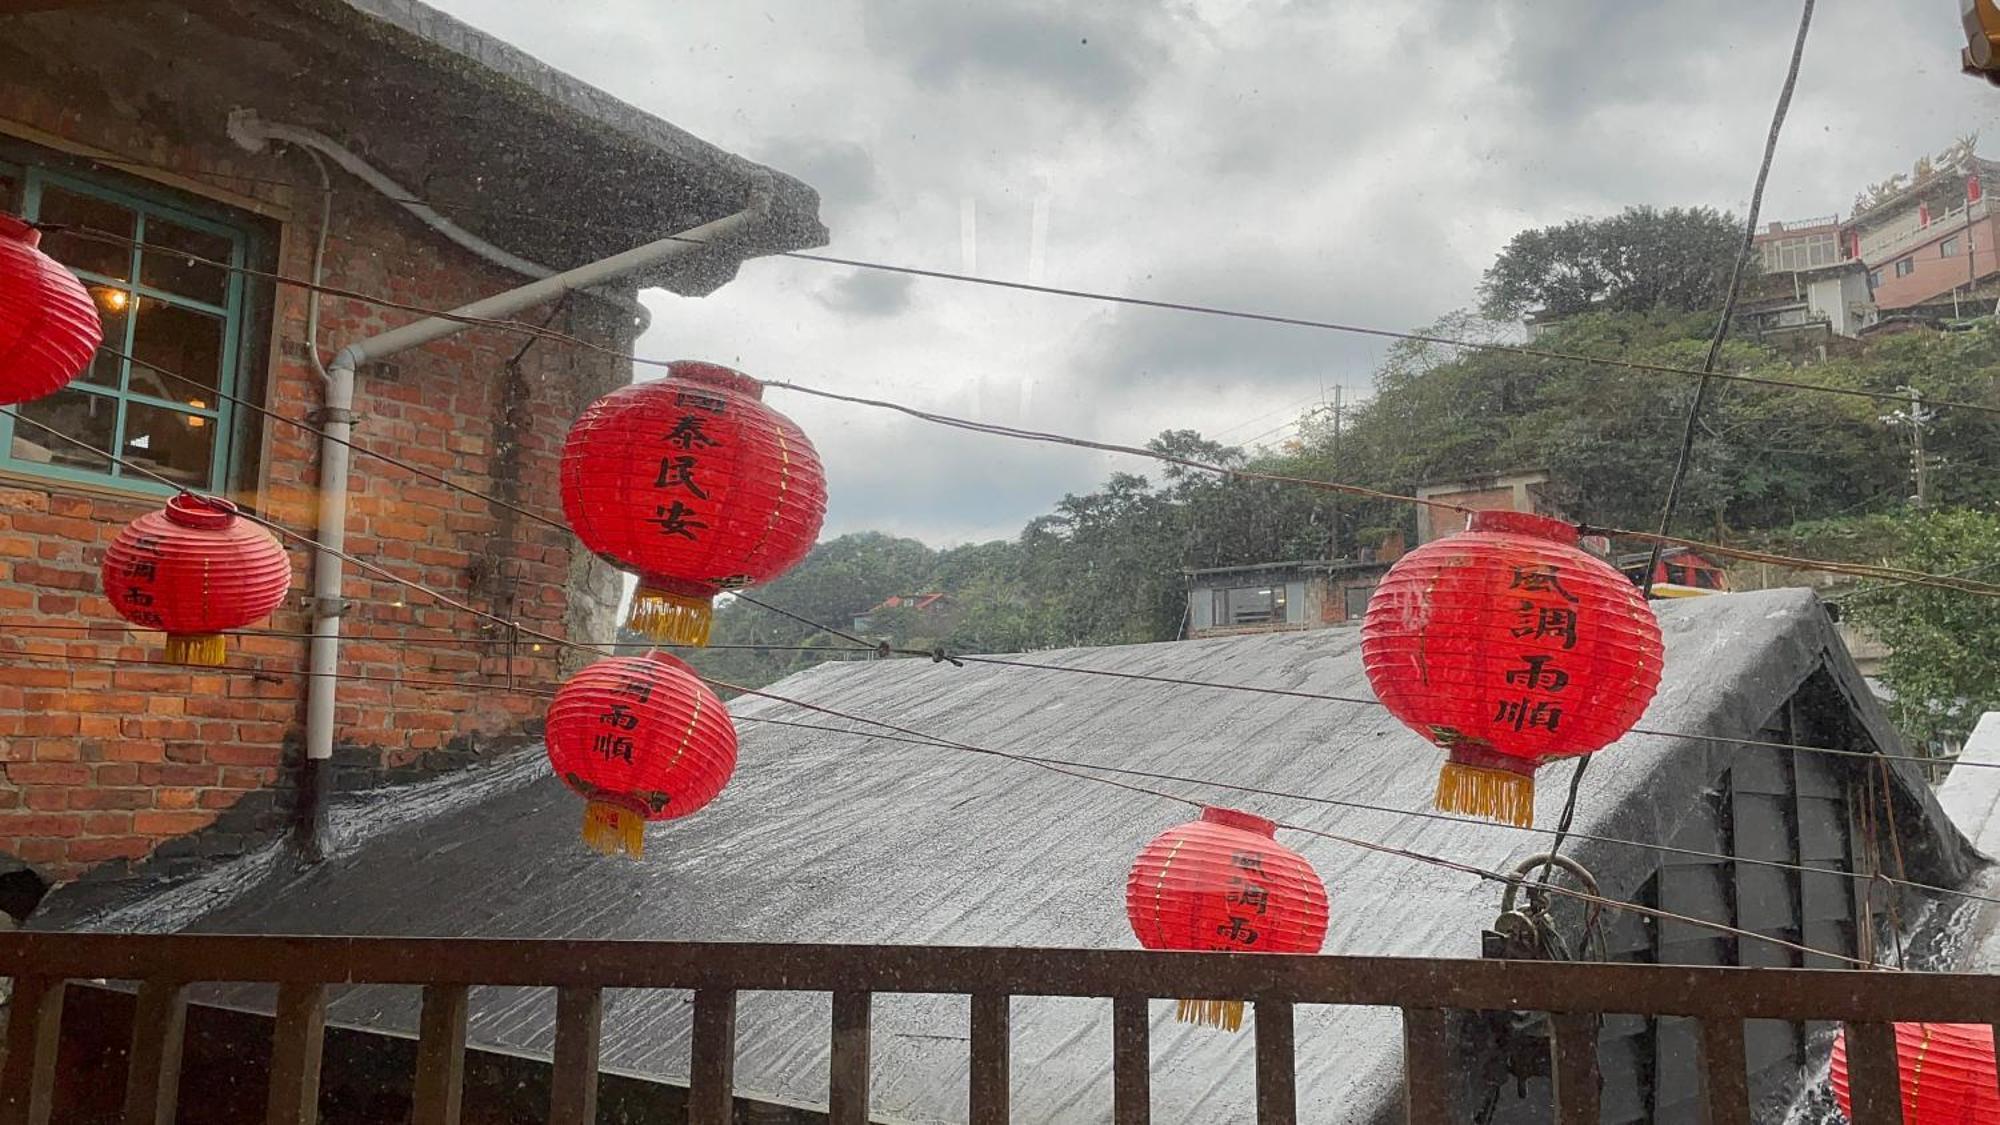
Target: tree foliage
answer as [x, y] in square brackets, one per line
[1945, 663]
[1641, 260]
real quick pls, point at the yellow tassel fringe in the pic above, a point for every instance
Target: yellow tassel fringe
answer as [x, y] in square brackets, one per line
[1225, 1014]
[672, 618]
[207, 649]
[609, 830]
[1501, 795]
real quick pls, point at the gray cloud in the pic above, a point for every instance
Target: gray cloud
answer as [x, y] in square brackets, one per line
[867, 293]
[1098, 56]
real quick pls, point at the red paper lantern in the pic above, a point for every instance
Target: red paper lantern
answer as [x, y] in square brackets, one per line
[640, 738]
[1224, 884]
[1509, 646]
[48, 324]
[1946, 1072]
[193, 570]
[697, 486]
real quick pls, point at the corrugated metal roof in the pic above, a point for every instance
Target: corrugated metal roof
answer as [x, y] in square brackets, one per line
[825, 837]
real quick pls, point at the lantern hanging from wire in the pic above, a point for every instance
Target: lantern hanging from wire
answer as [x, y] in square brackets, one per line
[639, 738]
[1223, 883]
[1946, 1072]
[695, 485]
[1509, 646]
[49, 326]
[195, 570]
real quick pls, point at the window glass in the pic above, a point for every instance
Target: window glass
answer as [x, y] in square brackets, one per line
[1948, 248]
[173, 443]
[1905, 267]
[81, 414]
[1252, 605]
[85, 249]
[188, 274]
[185, 342]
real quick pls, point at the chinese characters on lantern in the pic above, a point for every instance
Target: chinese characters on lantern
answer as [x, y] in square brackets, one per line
[622, 720]
[137, 575]
[683, 444]
[1545, 615]
[1247, 894]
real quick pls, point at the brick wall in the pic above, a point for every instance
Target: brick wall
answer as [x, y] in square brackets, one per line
[105, 764]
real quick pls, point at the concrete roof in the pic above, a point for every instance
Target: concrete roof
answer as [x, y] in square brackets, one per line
[835, 838]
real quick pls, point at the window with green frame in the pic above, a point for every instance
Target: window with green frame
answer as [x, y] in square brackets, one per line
[173, 328]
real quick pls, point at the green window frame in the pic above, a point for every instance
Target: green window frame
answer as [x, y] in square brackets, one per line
[161, 292]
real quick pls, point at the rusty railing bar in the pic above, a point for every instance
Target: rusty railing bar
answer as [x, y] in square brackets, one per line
[1427, 1059]
[1396, 982]
[1573, 1060]
[1277, 1063]
[848, 1075]
[712, 1065]
[440, 1080]
[573, 1083]
[992, 1049]
[296, 1040]
[1873, 1086]
[1725, 1073]
[153, 1069]
[1131, 1060]
[34, 1032]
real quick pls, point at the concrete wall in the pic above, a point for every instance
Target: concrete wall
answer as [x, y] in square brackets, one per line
[106, 763]
[1932, 273]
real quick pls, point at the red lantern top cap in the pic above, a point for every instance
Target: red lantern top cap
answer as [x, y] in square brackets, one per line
[715, 375]
[1525, 523]
[671, 661]
[20, 230]
[209, 513]
[1236, 818]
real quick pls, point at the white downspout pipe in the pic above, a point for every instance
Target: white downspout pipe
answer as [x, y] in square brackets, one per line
[338, 423]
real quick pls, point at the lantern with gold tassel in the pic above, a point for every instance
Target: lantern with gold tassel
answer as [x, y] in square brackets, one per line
[195, 570]
[1223, 883]
[639, 738]
[49, 326]
[1509, 646]
[695, 485]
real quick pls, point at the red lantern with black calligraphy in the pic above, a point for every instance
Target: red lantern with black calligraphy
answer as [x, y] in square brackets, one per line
[640, 738]
[195, 570]
[48, 324]
[1946, 1071]
[1509, 646]
[1224, 884]
[697, 486]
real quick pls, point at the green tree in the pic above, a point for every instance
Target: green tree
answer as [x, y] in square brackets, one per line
[1640, 260]
[1945, 663]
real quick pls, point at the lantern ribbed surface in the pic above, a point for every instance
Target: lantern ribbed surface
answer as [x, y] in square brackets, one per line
[640, 738]
[48, 324]
[193, 570]
[1946, 1072]
[1508, 645]
[1224, 884]
[695, 485]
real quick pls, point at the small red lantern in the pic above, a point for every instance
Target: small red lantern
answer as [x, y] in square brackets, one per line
[1224, 884]
[1509, 646]
[48, 324]
[1946, 1072]
[640, 738]
[697, 486]
[192, 571]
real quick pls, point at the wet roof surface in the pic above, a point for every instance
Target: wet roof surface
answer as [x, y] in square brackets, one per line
[835, 838]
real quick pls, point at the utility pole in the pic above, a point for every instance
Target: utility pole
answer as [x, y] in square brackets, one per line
[1919, 462]
[1336, 423]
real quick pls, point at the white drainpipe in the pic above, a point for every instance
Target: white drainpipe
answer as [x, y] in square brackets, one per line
[338, 424]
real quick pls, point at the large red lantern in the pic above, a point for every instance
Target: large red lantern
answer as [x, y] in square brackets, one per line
[48, 324]
[1509, 646]
[640, 738]
[1224, 884]
[696, 485]
[1946, 1072]
[194, 570]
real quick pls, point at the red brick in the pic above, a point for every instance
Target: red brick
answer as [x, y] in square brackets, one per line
[174, 774]
[245, 755]
[108, 847]
[48, 773]
[135, 751]
[46, 800]
[95, 798]
[247, 777]
[107, 823]
[157, 823]
[116, 773]
[175, 798]
[40, 824]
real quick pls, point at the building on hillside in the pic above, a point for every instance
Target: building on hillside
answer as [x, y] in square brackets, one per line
[1682, 572]
[1812, 306]
[1284, 596]
[1800, 245]
[1930, 245]
[458, 165]
[1514, 490]
[830, 836]
[928, 611]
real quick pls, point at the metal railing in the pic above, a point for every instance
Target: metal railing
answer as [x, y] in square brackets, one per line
[1425, 990]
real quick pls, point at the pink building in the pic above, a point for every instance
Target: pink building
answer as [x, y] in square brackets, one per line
[1932, 241]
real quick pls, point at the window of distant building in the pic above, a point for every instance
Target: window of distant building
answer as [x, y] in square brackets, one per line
[1250, 605]
[1355, 600]
[1948, 248]
[170, 301]
[1905, 267]
[1874, 279]
[1792, 254]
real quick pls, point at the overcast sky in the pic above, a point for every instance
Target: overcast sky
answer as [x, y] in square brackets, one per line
[1360, 162]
